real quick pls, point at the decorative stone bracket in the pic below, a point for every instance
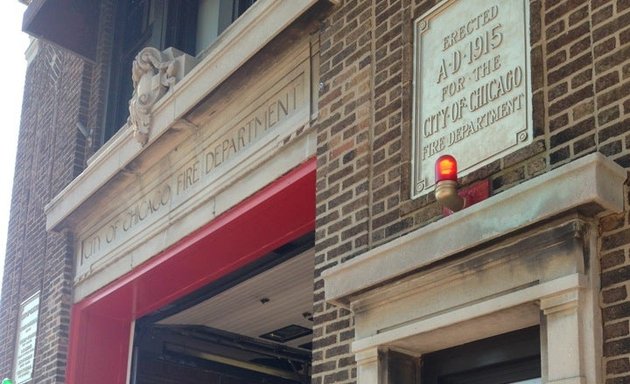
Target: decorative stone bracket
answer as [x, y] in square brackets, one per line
[154, 73]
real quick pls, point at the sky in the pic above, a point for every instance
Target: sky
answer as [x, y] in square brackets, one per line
[12, 68]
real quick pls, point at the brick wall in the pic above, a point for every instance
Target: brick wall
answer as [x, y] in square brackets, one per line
[611, 104]
[580, 71]
[61, 90]
[580, 55]
[343, 165]
[50, 154]
[615, 246]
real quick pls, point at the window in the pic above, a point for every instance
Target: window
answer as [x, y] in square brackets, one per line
[214, 17]
[188, 25]
[510, 358]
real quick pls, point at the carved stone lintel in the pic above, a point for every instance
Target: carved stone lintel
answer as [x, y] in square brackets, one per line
[154, 73]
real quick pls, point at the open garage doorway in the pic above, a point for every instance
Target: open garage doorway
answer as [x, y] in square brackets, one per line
[261, 232]
[252, 326]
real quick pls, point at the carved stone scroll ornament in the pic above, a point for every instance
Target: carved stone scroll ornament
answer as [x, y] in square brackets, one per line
[153, 74]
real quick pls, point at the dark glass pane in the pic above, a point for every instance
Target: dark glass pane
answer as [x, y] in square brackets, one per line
[181, 26]
[157, 23]
[133, 31]
[136, 22]
[507, 358]
[242, 6]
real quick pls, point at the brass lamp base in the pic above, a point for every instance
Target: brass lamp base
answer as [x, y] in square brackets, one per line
[446, 194]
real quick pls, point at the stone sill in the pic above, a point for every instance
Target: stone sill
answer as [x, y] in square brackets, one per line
[593, 183]
[240, 42]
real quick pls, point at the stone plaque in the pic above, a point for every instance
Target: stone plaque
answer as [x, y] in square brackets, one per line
[27, 337]
[472, 93]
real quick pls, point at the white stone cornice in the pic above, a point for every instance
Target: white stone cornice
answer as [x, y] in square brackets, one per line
[240, 42]
[592, 181]
[31, 51]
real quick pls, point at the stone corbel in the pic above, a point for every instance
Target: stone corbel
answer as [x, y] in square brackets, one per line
[154, 73]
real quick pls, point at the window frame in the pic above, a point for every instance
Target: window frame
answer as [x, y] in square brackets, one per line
[169, 23]
[509, 357]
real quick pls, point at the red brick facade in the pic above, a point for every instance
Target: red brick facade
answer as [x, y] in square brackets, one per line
[581, 100]
[580, 56]
[50, 154]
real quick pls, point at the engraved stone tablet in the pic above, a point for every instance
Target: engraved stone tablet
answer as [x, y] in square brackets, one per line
[472, 93]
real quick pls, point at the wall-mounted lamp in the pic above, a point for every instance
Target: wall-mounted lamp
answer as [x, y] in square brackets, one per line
[446, 183]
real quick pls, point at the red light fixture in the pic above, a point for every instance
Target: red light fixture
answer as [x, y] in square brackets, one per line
[446, 183]
[445, 168]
